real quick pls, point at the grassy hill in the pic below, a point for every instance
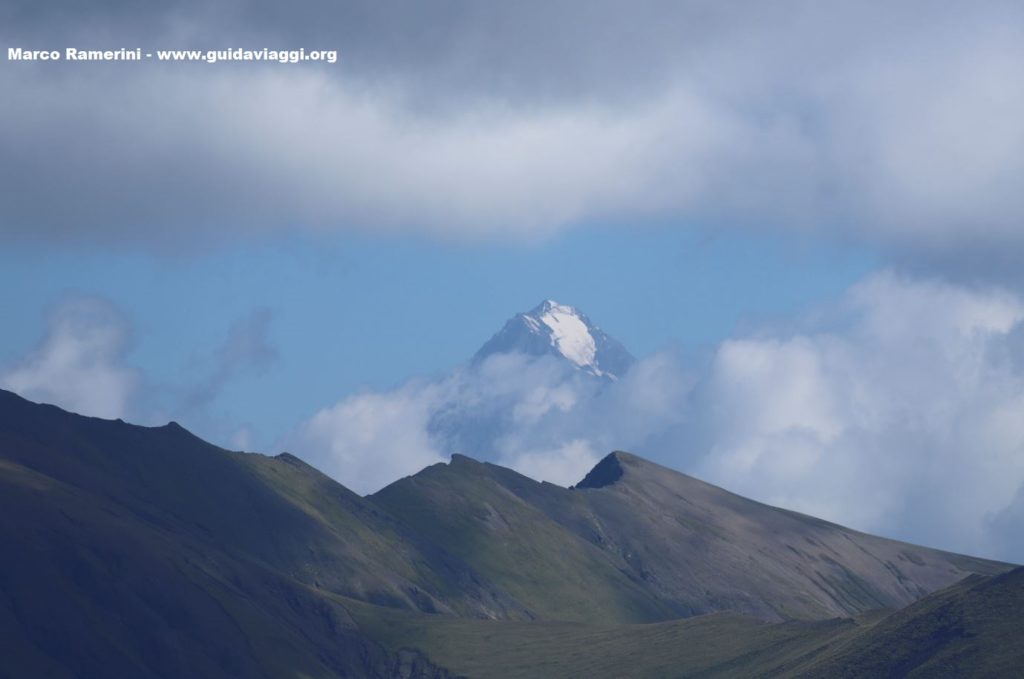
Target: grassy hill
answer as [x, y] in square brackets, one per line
[971, 629]
[636, 542]
[974, 628]
[147, 552]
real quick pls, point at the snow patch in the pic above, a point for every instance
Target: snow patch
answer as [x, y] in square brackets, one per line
[570, 335]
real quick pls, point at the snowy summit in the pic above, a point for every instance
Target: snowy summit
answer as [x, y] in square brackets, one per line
[560, 330]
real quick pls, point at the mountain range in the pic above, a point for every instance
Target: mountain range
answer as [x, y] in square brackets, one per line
[147, 552]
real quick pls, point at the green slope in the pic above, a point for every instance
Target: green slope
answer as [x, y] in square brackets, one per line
[539, 562]
[90, 589]
[278, 511]
[718, 644]
[644, 533]
[146, 552]
[131, 551]
[971, 629]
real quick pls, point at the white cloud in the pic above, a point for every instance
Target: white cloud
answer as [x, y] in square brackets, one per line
[336, 157]
[565, 465]
[369, 440]
[899, 412]
[542, 400]
[537, 415]
[79, 364]
[242, 439]
[900, 126]
[905, 420]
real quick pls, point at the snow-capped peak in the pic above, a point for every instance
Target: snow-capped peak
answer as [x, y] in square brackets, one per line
[561, 330]
[570, 334]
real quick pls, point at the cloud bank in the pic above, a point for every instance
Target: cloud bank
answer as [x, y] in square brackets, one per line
[897, 413]
[539, 415]
[906, 420]
[79, 363]
[901, 125]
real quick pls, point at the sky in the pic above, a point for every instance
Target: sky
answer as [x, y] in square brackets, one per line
[803, 218]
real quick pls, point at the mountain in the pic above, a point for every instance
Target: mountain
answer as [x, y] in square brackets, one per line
[536, 373]
[970, 629]
[147, 552]
[637, 542]
[553, 329]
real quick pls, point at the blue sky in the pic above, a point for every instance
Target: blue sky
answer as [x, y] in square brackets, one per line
[354, 312]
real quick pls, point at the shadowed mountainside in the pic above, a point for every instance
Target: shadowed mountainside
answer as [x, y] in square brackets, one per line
[141, 552]
[147, 552]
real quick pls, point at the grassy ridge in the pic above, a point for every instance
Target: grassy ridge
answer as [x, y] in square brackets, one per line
[719, 644]
[539, 562]
[146, 552]
[93, 590]
[650, 544]
[971, 629]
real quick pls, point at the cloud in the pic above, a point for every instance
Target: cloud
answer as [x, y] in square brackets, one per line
[211, 377]
[307, 151]
[897, 125]
[538, 415]
[369, 440]
[562, 465]
[242, 439]
[896, 412]
[904, 419]
[246, 349]
[79, 364]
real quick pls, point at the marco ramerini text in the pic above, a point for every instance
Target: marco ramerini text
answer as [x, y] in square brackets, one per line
[208, 56]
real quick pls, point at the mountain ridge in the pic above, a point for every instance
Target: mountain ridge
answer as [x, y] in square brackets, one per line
[696, 547]
[146, 551]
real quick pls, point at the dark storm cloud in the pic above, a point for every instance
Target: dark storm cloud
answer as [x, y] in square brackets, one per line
[900, 125]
